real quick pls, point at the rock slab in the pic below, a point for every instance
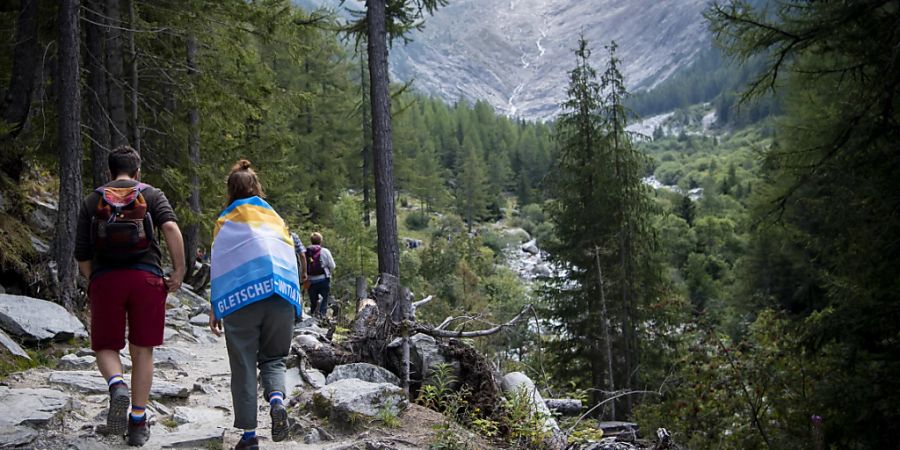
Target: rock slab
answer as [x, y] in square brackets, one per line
[91, 382]
[362, 371]
[11, 436]
[75, 362]
[13, 346]
[345, 400]
[35, 320]
[33, 407]
[194, 438]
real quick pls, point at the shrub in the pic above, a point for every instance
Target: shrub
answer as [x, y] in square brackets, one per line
[416, 221]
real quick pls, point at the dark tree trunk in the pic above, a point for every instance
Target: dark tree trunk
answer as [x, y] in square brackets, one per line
[17, 101]
[116, 78]
[385, 212]
[69, 140]
[192, 231]
[367, 139]
[95, 34]
[135, 128]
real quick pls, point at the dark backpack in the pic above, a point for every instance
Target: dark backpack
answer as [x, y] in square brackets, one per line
[122, 228]
[314, 260]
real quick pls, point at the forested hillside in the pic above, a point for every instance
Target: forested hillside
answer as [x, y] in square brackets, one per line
[728, 273]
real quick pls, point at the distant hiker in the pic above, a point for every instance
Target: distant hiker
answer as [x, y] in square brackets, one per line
[300, 253]
[118, 251]
[255, 294]
[319, 267]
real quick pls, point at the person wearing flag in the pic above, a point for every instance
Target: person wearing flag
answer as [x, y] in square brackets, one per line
[255, 297]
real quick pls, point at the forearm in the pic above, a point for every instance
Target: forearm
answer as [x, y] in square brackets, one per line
[175, 244]
[85, 268]
[302, 267]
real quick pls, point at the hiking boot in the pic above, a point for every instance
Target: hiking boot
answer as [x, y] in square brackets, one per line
[247, 444]
[138, 432]
[279, 422]
[117, 417]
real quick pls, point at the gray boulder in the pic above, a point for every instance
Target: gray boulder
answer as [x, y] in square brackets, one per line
[13, 346]
[541, 270]
[315, 378]
[424, 355]
[34, 407]
[519, 234]
[43, 216]
[11, 436]
[531, 247]
[517, 383]
[170, 357]
[35, 320]
[362, 371]
[90, 382]
[347, 400]
[200, 320]
[75, 362]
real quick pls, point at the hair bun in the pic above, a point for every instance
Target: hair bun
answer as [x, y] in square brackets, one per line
[244, 164]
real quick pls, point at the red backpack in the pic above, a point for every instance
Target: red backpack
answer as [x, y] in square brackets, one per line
[122, 229]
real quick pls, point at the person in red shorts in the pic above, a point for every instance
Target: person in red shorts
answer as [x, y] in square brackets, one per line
[117, 249]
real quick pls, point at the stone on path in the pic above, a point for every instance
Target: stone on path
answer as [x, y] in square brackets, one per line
[184, 415]
[171, 357]
[16, 436]
[33, 407]
[344, 399]
[193, 437]
[91, 382]
[362, 371]
[13, 346]
[75, 362]
[200, 320]
[35, 320]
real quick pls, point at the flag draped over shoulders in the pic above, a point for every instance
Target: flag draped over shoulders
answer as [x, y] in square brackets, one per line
[252, 258]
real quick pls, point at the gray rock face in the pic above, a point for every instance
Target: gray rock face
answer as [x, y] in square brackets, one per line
[39, 246]
[530, 247]
[200, 320]
[345, 399]
[43, 216]
[35, 320]
[424, 355]
[75, 362]
[90, 382]
[33, 407]
[362, 371]
[12, 346]
[11, 436]
[194, 437]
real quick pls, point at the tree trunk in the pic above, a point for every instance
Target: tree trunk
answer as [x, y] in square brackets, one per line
[604, 325]
[135, 129]
[95, 34]
[367, 139]
[385, 211]
[192, 231]
[116, 78]
[69, 139]
[17, 102]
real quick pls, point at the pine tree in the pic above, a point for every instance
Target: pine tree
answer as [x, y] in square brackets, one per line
[471, 194]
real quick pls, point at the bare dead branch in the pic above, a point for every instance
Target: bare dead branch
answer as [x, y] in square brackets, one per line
[434, 332]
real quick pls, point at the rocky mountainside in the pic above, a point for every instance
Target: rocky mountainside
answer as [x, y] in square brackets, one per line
[516, 53]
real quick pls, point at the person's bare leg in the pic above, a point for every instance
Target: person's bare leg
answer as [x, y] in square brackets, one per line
[141, 374]
[109, 363]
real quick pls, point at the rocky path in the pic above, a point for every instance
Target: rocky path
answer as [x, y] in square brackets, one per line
[63, 408]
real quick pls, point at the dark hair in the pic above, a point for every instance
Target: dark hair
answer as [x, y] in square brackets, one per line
[124, 160]
[315, 238]
[243, 182]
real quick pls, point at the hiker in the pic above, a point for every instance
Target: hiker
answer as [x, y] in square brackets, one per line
[118, 251]
[319, 267]
[255, 296]
[300, 253]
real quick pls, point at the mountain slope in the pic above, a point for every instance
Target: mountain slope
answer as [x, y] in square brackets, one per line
[516, 53]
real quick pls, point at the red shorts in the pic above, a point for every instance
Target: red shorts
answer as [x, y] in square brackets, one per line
[136, 294]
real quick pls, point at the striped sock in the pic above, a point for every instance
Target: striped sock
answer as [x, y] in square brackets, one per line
[138, 413]
[248, 434]
[115, 379]
[276, 397]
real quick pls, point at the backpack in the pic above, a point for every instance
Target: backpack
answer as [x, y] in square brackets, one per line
[121, 228]
[314, 260]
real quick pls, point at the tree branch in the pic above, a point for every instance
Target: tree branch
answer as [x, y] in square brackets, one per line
[437, 332]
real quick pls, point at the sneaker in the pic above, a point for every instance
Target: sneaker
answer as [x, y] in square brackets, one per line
[138, 432]
[279, 422]
[247, 444]
[117, 417]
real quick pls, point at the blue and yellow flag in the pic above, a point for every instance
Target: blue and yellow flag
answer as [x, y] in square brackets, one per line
[252, 258]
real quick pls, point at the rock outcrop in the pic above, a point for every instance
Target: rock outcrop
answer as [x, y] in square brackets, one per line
[35, 320]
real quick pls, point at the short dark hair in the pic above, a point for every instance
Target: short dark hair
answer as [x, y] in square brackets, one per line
[124, 160]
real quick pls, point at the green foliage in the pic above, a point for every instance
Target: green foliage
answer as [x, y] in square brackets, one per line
[388, 415]
[525, 427]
